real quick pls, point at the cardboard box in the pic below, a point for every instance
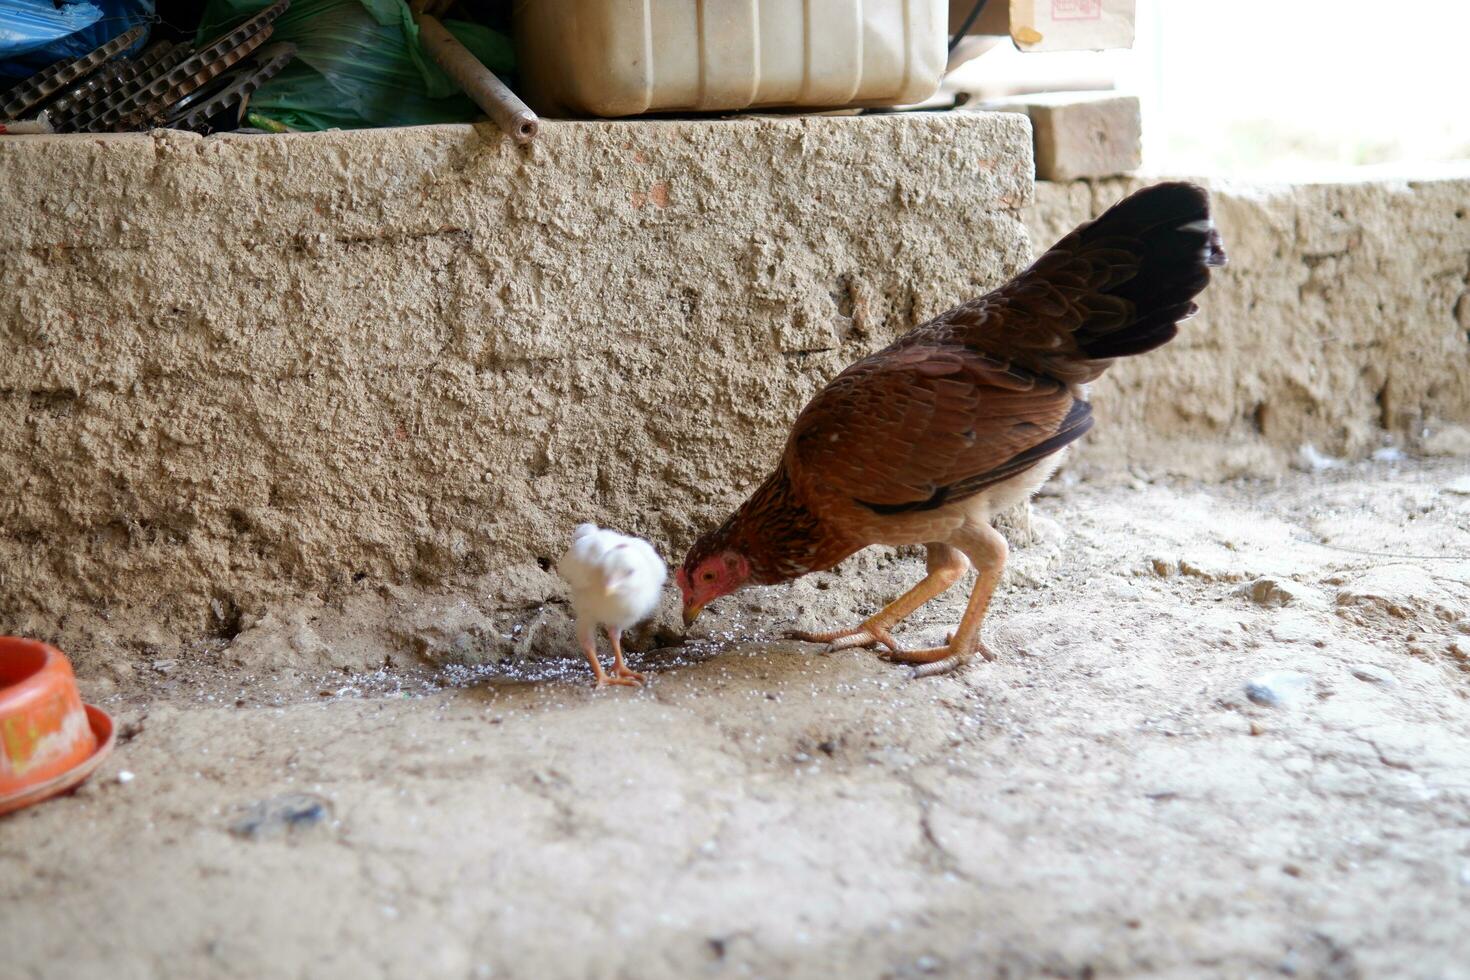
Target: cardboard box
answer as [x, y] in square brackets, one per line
[1051, 25]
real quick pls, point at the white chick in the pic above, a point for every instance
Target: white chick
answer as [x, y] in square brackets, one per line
[616, 580]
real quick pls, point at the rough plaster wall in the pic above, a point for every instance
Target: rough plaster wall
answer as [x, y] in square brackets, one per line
[1342, 321]
[234, 370]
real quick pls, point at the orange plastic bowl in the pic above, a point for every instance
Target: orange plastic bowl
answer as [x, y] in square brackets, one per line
[49, 740]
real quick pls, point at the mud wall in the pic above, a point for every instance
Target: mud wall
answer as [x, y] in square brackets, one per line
[241, 369]
[1342, 323]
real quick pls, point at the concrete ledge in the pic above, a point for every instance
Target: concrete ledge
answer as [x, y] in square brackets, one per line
[240, 369]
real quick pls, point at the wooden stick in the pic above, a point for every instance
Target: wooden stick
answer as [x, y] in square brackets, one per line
[478, 82]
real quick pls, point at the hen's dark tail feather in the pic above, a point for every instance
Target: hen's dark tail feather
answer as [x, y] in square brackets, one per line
[1173, 242]
[1115, 286]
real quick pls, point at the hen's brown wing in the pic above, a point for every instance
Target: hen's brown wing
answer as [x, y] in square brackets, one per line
[1041, 318]
[914, 427]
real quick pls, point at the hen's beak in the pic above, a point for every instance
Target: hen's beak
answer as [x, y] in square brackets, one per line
[691, 613]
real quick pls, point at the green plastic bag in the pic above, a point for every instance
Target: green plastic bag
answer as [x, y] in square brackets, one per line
[358, 64]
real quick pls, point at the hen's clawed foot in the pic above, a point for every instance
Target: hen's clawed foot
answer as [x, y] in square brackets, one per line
[939, 660]
[866, 635]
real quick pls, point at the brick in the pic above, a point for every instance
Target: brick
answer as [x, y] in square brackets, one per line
[1082, 134]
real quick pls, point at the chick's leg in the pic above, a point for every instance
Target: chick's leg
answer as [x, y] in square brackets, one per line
[587, 634]
[622, 671]
[946, 566]
[987, 549]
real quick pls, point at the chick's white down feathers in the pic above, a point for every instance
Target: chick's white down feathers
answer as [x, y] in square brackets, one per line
[616, 579]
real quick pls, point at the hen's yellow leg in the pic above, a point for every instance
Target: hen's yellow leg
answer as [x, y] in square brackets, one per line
[987, 549]
[946, 565]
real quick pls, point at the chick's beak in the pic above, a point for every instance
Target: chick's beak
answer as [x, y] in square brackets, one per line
[691, 613]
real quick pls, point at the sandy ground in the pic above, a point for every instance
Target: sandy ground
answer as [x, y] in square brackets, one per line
[1107, 799]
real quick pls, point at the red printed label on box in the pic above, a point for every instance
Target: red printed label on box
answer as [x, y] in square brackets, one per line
[1076, 9]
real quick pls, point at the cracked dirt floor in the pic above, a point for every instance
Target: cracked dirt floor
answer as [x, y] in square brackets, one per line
[1105, 800]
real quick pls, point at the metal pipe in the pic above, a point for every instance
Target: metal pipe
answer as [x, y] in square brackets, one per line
[512, 115]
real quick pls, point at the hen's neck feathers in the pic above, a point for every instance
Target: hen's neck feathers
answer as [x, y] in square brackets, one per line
[779, 535]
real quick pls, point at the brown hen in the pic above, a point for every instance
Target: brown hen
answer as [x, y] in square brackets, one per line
[927, 440]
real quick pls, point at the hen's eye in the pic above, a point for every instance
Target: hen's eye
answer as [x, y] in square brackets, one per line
[708, 576]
